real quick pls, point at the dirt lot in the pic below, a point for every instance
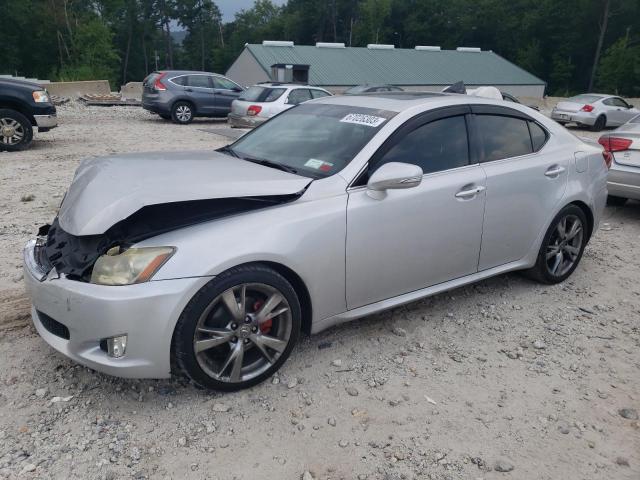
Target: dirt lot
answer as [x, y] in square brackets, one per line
[505, 379]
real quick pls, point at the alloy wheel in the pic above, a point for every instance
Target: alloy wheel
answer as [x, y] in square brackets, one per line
[242, 332]
[183, 113]
[11, 131]
[564, 245]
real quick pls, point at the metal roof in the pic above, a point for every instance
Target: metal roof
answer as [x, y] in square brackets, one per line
[399, 66]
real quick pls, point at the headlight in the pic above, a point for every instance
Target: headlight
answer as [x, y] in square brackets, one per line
[41, 96]
[135, 265]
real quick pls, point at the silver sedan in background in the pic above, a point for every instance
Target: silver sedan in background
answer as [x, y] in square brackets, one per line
[594, 110]
[622, 145]
[210, 264]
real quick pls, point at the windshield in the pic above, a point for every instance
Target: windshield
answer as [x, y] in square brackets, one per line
[261, 94]
[314, 140]
[584, 98]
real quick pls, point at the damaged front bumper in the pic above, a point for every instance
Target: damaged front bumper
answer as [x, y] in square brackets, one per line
[76, 318]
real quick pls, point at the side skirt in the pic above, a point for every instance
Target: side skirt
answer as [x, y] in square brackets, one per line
[416, 295]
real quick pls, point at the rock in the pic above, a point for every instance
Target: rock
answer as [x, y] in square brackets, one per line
[323, 345]
[28, 197]
[337, 363]
[622, 461]
[293, 383]
[628, 413]
[182, 441]
[343, 443]
[61, 399]
[29, 467]
[539, 345]
[400, 332]
[220, 408]
[353, 391]
[503, 466]
[331, 421]
[307, 476]
[563, 429]
[42, 392]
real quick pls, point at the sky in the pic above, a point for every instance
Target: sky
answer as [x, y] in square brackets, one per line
[230, 7]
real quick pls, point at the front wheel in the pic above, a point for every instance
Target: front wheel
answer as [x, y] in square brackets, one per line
[238, 329]
[16, 132]
[562, 246]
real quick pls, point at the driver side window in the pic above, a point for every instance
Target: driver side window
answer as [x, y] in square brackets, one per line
[434, 147]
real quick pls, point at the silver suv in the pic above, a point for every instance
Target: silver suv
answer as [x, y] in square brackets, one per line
[181, 95]
[261, 102]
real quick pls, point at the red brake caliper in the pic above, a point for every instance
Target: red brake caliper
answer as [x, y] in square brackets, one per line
[266, 326]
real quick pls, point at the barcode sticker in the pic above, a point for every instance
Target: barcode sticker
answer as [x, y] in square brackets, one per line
[361, 119]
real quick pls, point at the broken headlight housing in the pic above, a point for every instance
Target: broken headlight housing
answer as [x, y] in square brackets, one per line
[126, 267]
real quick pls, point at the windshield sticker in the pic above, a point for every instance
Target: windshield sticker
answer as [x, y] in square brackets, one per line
[362, 119]
[318, 165]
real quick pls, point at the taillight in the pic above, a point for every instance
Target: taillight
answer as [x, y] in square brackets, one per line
[608, 158]
[587, 108]
[614, 144]
[158, 85]
[254, 110]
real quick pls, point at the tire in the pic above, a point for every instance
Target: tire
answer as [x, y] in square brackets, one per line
[601, 123]
[616, 201]
[16, 132]
[182, 113]
[262, 343]
[164, 116]
[543, 271]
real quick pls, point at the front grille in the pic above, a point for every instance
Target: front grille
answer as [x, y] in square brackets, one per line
[54, 327]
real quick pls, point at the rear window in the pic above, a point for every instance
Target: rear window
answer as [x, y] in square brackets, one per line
[584, 99]
[261, 94]
[503, 137]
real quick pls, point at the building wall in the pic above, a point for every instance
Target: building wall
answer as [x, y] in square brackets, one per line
[246, 70]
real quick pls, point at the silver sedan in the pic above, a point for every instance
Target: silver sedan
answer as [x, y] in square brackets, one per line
[210, 264]
[594, 110]
[623, 148]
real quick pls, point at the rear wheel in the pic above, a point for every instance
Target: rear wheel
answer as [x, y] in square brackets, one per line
[562, 246]
[601, 122]
[16, 132]
[182, 112]
[616, 201]
[238, 329]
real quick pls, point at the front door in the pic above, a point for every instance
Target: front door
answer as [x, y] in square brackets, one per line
[225, 92]
[526, 180]
[421, 236]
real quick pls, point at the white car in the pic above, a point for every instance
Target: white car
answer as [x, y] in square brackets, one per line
[622, 146]
[261, 102]
[594, 110]
[211, 263]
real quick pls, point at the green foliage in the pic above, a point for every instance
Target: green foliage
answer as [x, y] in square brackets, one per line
[619, 69]
[119, 39]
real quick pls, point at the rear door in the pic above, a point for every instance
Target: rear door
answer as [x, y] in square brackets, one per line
[526, 180]
[225, 92]
[298, 96]
[200, 90]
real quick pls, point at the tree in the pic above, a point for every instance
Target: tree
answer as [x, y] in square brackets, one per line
[619, 69]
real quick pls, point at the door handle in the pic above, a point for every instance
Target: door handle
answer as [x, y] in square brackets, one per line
[553, 172]
[471, 192]
[188, 90]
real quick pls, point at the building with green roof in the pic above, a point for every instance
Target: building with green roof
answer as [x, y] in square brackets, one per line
[336, 67]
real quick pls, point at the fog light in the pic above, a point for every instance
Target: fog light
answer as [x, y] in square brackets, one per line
[117, 346]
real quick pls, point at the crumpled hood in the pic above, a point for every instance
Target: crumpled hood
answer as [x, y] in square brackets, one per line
[107, 190]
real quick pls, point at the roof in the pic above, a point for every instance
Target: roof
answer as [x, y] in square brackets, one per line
[358, 65]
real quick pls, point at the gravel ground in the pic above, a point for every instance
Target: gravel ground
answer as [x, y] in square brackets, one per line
[502, 379]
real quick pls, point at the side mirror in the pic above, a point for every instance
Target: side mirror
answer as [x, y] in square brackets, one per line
[630, 106]
[392, 176]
